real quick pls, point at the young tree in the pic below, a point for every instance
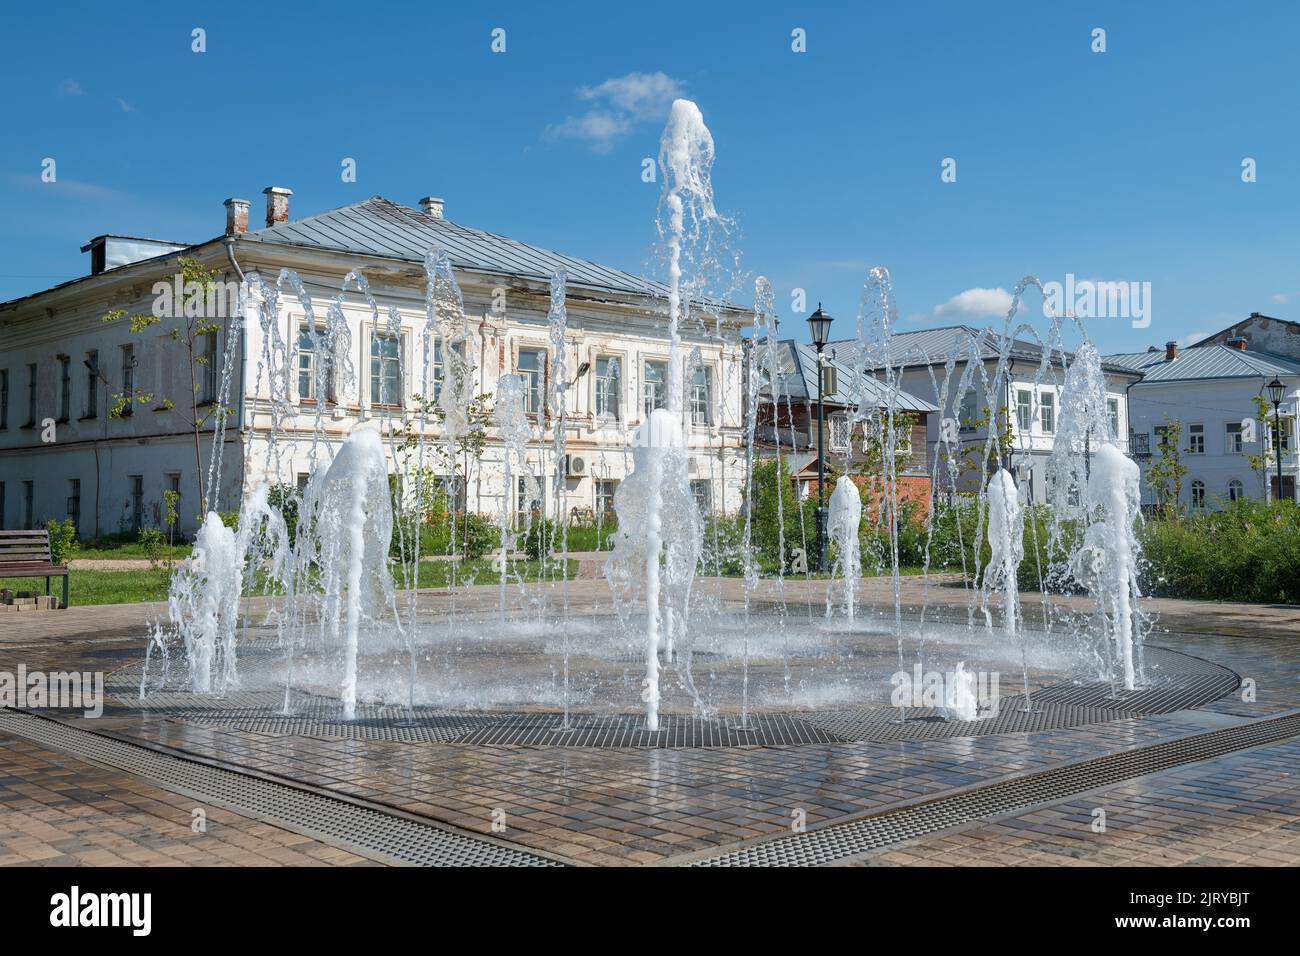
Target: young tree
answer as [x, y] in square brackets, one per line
[1165, 474]
[191, 332]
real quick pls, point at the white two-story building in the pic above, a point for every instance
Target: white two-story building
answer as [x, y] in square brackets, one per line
[70, 446]
[1021, 404]
[1210, 391]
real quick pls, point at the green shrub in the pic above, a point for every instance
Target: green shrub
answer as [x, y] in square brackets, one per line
[151, 543]
[1248, 551]
[63, 540]
[774, 499]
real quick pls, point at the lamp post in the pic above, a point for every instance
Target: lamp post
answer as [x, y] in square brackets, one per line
[819, 324]
[1275, 390]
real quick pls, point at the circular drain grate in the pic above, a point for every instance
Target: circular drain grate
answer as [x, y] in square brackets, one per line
[1177, 682]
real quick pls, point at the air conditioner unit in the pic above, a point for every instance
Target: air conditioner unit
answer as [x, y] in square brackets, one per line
[574, 466]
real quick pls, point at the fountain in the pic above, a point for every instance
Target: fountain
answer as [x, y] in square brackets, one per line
[333, 628]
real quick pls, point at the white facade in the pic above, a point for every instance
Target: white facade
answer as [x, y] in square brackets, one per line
[1034, 410]
[142, 455]
[1216, 450]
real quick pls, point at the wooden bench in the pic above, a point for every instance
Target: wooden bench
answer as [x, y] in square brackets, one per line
[26, 554]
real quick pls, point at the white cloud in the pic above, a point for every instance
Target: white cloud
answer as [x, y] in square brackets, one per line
[1282, 298]
[617, 105]
[975, 304]
[643, 95]
[126, 107]
[1192, 338]
[71, 88]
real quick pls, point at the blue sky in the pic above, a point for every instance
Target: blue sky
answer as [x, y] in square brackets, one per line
[1123, 165]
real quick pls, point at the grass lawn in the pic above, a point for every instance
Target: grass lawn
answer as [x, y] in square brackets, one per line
[101, 587]
[149, 584]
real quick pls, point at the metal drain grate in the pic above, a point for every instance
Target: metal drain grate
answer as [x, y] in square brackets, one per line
[765, 730]
[838, 841]
[302, 811]
[1178, 682]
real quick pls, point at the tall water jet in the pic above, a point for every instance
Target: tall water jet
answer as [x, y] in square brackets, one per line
[1113, 486]
[352, 513]
[657, 518]
[1006, 533]
[203, 600]
[842, 527]
[514, 428]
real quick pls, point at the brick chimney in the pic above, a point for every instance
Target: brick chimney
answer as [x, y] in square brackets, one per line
[277, 204]
[1171, 351]
[236, 216]
[1236, 342]
[432, 206]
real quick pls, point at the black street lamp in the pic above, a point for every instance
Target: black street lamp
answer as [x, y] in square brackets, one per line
[819, 324]
[1275, 390]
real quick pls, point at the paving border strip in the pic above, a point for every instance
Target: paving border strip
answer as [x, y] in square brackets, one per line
[376, 832]
[839, 841]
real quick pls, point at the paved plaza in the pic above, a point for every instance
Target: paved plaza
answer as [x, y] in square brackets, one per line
[1214, 783]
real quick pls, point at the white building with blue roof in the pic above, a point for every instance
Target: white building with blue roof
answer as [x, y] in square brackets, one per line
[1211, 391]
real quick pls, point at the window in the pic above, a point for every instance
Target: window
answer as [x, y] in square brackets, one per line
[1162, 435]
[303, 479]
[1024, 409]
[385, 369]
[702, 396]
[1282, 442]
[439, 369]
[838, 433]
[524, 505]
[609, 385]
[1236, 490]
[1112, 417]
[31, 395]
[702, 492]
[1047, 412]
[4, 398]
[65, 387]
[453, 490]
[92, 383]
[1198, 495]
[655, 382]
[210, 366]
[29, 505]
[313, 367]
[136, 483]
[1196, 439]
[966, 413]
[531, 369]
[1233, 437]
[74, 503]
[605, 488]
[128, 378]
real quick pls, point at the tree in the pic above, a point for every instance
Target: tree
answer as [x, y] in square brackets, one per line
[1165, 474]
[192, 330]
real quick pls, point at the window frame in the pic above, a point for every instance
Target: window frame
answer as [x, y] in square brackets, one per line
[1047, 412]
[375, 385]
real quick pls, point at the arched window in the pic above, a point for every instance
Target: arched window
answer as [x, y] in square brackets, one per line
[1236, 490]
[1198, 495]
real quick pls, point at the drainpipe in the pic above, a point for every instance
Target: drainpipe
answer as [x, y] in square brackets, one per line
[229, 243]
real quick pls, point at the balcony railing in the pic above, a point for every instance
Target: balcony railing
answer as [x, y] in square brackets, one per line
[1139, 446]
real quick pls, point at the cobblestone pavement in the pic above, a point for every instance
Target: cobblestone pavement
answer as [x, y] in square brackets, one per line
[56, 810]
[1239, 810]
[632, 806]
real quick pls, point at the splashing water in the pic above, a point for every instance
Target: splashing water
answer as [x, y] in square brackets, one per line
[843, 526]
